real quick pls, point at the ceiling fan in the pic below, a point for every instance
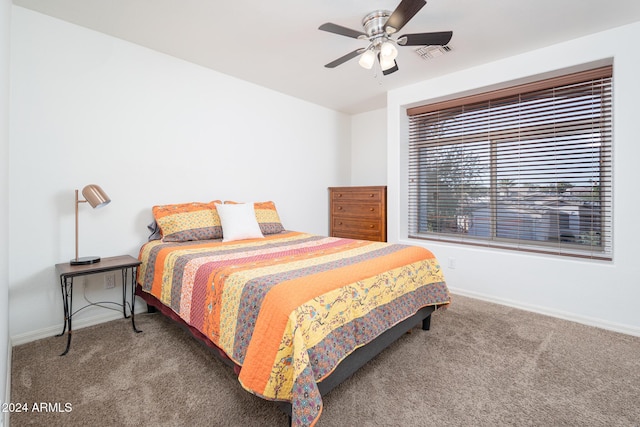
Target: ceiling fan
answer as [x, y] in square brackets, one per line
[379, 26]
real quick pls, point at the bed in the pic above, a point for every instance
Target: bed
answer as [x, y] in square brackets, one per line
[294, 313]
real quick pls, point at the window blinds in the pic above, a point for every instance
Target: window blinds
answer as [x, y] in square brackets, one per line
[527, 167]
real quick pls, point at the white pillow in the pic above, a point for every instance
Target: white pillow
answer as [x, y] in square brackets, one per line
[238, 222]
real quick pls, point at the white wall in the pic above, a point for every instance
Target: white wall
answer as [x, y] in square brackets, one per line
[5, 19]
[602, 293]
[150, 129]
[369, 148]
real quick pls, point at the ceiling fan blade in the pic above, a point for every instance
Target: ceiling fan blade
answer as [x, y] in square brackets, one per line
[403, 14]
[345, 58]
[425, 39]
[343, 31]
[391, 70]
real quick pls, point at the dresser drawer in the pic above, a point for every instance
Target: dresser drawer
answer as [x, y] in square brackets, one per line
[374, 237]
[357, 225]
[359, 195]
[361, 210]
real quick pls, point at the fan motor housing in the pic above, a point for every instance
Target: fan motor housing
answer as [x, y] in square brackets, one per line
[374, 22]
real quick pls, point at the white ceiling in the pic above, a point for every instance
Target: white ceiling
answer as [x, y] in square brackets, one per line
[277, 43]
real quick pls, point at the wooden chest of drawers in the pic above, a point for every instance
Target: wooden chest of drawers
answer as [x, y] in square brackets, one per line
[358, 212]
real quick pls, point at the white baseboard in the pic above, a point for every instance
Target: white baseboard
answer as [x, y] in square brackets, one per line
[50, 331]
[585, 320]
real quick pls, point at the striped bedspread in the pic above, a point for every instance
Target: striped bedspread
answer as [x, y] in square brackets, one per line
[288, 308]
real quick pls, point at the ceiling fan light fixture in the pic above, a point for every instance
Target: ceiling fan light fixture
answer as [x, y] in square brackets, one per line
[367, 59]
[388, 50]
[386, 63]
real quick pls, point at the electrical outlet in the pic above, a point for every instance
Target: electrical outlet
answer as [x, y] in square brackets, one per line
[452, 263]
[109, 281]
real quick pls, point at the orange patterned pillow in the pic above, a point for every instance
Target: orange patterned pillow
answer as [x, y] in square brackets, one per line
[267, 217]
[188, 221]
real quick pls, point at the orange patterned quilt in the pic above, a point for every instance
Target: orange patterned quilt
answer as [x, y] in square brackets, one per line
[289, 307]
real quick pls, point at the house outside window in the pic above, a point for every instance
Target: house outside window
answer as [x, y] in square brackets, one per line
[526, 168]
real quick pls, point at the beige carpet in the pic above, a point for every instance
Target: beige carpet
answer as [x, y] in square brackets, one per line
[480, 365]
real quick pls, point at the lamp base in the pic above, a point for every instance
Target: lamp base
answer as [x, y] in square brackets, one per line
[85, 260]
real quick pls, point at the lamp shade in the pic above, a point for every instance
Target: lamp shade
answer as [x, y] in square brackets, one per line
[95, 196]
[388, 51]
[386, 63]
[367, 59]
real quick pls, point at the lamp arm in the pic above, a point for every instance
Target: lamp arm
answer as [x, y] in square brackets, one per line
[77, 202]
[76, 205]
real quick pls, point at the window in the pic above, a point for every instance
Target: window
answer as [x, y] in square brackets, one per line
[526, 168]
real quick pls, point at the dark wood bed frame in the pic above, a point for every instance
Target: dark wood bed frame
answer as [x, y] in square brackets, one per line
[344, 370]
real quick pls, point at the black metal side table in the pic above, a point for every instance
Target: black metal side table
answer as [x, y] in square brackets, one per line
[125, 263]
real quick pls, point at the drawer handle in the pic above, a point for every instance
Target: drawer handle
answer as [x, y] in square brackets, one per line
[371, 209]
[339, 208]
[371, 226]
[371, 195]
[340, 223]
[339, 194]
